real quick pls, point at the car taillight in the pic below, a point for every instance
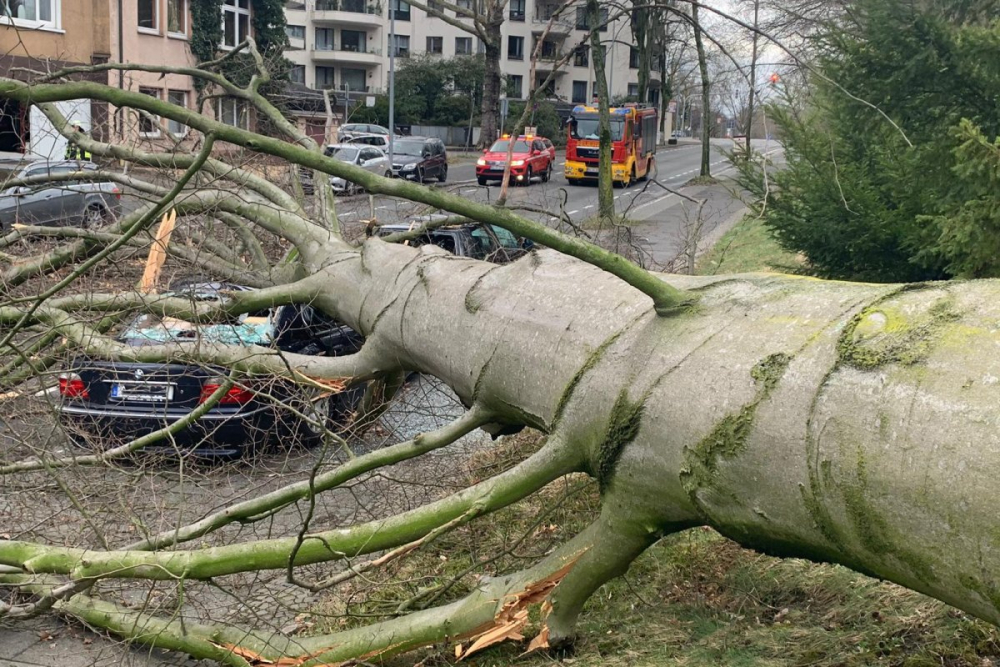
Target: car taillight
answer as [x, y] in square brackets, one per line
[117, 193]
[235, 395]
[71, 386]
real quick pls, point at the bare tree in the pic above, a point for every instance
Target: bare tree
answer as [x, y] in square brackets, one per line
[484, 20]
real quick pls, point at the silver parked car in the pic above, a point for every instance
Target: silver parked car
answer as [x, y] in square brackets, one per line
[354, 129]
[84, 203]
[368, 158]
[376, 140]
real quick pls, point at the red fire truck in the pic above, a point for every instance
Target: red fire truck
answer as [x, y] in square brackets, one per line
[633, 136]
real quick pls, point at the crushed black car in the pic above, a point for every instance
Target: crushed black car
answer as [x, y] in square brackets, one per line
[472, 239]
[107, 403]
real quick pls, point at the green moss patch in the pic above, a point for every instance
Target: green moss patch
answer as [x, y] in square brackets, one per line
[884, 334]
[623, 427]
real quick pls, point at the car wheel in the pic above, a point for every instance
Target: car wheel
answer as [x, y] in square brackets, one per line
[94, 216]
[547, 176]
[387, 174]
[527, 177]
[331, 412]
[482, 181]
[443, 176]
[420, 175]
[650, 167]
[573, 181]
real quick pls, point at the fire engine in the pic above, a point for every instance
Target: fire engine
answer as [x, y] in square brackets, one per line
[633, 137]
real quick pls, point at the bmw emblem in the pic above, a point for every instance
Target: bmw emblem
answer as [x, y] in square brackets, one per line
[139, 374]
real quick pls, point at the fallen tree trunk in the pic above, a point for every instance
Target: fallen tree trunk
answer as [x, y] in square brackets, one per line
[839, 422]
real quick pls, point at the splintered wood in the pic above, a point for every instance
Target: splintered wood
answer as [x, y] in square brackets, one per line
[513, 615]
[158, 253]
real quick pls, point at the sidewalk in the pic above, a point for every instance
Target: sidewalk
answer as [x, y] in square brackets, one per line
[51, 642]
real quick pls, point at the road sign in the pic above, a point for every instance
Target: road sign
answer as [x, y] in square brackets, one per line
[504, 107]
[672, 107]
[370, 101]
[530, 130]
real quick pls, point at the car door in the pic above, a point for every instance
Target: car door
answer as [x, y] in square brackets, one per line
[71, 197]
[38, 204]
[372, 160]
[539, 157]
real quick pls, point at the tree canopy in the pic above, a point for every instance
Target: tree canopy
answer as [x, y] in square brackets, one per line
[869, 199]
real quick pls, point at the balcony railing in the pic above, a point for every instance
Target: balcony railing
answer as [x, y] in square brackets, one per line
[544, 14]
[347, 48]
[349, 89]
[354, 6]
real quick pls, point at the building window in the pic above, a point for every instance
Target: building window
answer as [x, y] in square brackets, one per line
[464, 4]
[353, 79]
[579, 92]
[148, 15]
[177, 12]
[517, 8]
[633, 57]
[515, 48]
[549, 51]
[324, 39]
[297, 74]
[233, 111]
[177, 98]
[401, 10]
[435, 45]
[463, 46]
[633, 90]
[401, 46]
[515, 82]
[548, 90]
[295, 31]
[435, 6]
[149, 125]
[31, 13]
[324, 78]
[235, 22]
[353, 40]
[583, 24]
[581, 58]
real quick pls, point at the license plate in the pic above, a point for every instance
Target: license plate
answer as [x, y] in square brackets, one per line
[595, 172]
[148, 392]
[498, 165]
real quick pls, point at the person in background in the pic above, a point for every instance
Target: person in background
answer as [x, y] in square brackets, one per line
[73, 151]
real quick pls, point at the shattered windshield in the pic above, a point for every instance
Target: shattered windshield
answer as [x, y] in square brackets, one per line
[151, 329]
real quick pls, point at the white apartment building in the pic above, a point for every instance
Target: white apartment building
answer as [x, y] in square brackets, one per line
[344, 45]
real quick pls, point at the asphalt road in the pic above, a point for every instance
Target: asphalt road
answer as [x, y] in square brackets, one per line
[675, 167]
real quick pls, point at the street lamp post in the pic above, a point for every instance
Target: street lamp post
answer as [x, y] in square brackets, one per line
[392, 81]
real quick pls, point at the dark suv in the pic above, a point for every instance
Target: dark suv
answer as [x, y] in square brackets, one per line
[419, 158]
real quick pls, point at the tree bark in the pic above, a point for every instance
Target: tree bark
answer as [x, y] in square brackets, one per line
[605, 184]
[490, 109]
[706, 97]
